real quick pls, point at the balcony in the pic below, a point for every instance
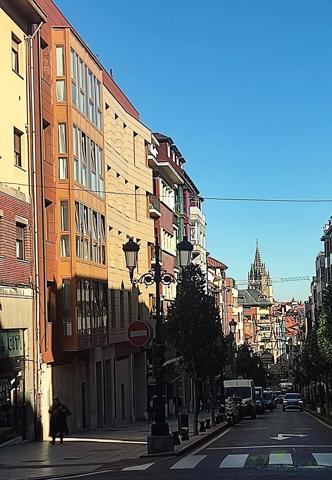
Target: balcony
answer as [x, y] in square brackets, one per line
[154, 207]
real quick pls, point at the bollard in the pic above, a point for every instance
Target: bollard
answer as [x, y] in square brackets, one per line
[176, 438]
[184, 433]
[202, 426]
[207, 423]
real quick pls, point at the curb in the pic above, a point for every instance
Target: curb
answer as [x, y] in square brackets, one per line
[319, 416]
[186, 448]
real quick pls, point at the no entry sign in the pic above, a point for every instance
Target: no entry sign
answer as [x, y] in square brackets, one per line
[139, 333]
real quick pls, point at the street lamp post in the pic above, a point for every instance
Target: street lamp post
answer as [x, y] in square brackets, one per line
[160, 440]
[232, 328]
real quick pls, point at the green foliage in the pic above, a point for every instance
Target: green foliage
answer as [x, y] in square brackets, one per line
[324, 331]
[194, 328]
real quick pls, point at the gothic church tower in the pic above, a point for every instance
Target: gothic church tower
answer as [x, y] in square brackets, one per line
[258, 277]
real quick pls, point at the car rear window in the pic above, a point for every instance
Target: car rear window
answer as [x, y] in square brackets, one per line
[292, 396]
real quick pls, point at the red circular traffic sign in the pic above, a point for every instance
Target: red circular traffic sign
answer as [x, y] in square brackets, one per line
[139, 333]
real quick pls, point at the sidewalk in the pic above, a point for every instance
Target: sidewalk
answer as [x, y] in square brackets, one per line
[82, 453]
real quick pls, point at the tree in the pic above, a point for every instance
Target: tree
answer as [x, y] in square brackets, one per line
[324, 339]
[194, 329]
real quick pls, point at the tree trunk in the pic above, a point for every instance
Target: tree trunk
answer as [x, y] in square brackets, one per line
[213, 401]
[196, 407]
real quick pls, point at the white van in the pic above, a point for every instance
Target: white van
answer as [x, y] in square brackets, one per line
[244, 389]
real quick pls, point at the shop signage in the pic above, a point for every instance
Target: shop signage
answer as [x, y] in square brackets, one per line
[11, 343]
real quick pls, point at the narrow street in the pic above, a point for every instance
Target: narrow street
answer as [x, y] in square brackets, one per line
[292, 444]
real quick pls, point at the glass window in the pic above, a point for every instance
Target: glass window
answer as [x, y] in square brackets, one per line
[17, 147]
[73, 64]
[20, 241]
[74, 93]
[64, 246]
[60, 91]
[63, 168]
[62, 138]
[77, 218]
[66, 317]
[64, 215]
[15, 54]
[60, 69]
[66, 294]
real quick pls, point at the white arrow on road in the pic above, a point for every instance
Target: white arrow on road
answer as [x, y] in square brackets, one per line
[284, 436]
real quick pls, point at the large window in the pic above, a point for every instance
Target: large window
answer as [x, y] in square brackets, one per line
[60, 74]
[66, 316]
[90, 234]
[18, 147]
[88, 162]
[15, 54]
[85, 90]
[62, 145]
[64, 227]
[20, 241]
[91, 307]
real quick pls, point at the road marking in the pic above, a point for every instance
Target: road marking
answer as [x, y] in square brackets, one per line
[102, 440]
[234, 461]
[280, 459]
[80, 475]
[250, 447]
[190, 461]
[199, 449]
[285, 436]
[136, 468]
[323, 459]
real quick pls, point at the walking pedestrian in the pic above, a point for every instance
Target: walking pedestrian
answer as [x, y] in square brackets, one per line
[58, 424]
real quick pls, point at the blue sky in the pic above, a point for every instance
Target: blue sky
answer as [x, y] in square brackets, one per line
[244, 89]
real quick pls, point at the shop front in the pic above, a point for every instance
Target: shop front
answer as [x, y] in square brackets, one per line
[12, 384]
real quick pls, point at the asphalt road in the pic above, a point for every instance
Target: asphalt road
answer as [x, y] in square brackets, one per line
[274, 446]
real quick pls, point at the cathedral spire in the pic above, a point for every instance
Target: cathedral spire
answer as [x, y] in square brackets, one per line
[258, 276]
[257, 261]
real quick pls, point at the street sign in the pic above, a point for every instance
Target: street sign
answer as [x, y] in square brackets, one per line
[139, 333]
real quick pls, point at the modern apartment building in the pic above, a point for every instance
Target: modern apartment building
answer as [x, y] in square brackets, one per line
[19, 22]
[128, 207]
[216, 281]
[197, 232]
[257, 319]
[167, 180]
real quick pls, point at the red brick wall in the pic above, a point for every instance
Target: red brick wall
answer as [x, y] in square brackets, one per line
[13, 270]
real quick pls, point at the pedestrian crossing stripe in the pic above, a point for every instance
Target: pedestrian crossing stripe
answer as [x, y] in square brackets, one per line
[234, 461]
[238, 461]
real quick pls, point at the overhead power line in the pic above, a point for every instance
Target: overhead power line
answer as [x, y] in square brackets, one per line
[211, 198]
[278, 280]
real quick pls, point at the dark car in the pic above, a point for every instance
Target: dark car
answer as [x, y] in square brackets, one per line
[279, 398]
[292, 400]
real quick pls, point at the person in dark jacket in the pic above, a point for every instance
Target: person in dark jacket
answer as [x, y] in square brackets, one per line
[59, 414]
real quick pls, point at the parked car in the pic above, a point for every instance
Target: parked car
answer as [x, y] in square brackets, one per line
[268, 400]
[245, 389]
[259, 400]
[292, 400]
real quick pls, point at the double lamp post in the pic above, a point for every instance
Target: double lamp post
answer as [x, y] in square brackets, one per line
[160, 439]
